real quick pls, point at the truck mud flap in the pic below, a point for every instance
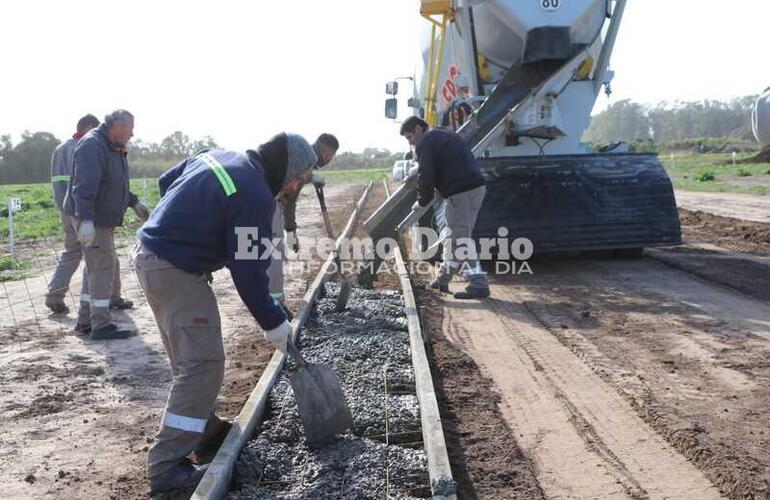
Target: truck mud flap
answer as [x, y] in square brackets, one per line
[580, 202]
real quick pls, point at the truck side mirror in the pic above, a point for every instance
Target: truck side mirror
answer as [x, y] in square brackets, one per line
[391, 108]
[391, 88]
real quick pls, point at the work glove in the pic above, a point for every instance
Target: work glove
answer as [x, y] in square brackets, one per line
[141, 211]
[292, 241]
[279, 336]
[318, 180]
[86, 232]
[413, 171]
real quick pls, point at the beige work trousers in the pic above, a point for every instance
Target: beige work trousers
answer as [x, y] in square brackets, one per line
[68, 263]
[99, 273]
[187, 315]
[462, 210]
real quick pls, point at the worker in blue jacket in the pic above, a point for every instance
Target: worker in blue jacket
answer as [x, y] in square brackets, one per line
[447, 166]
[215, 211]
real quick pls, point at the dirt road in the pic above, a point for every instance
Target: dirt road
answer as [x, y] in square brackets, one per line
[78, 416]
[643, 378]
[740, 206]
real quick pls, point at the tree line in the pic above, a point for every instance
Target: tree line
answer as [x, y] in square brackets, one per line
[29, 160]
[702, 125]
[666, 123]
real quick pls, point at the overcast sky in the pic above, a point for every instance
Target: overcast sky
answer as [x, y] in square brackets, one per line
[241, 71]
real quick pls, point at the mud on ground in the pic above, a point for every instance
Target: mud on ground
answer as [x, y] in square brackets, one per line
[733, 234]
[726, 251]
[485, 457]
[686, 345]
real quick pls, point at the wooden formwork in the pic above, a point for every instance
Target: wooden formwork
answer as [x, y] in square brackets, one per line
[216, 481]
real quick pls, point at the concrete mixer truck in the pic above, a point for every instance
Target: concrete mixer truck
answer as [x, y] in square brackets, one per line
[528, 73]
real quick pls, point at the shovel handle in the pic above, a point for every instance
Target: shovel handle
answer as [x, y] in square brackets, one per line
[293, 351]
[319, 190]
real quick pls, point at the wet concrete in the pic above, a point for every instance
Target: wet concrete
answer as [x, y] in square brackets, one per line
[368, 347]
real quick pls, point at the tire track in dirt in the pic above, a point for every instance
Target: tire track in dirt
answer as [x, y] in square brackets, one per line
[680, 352]
[486, 459]
[586, 441]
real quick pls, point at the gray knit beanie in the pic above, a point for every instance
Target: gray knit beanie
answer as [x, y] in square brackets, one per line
[301, 156]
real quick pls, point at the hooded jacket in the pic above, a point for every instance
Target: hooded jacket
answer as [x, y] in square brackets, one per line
[208, 202]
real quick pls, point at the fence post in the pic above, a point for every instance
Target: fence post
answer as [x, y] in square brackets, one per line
[10, 229]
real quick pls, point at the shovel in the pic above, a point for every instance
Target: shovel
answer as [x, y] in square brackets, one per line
[323, 410]
[344, 294]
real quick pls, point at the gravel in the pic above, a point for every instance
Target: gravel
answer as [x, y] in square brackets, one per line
[366, 346]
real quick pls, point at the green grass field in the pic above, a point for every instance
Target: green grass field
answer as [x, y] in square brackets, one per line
[715, 172]
[362, 175]
[40, 219]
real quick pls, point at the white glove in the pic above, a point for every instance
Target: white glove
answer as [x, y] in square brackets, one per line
[317, 179]
[86, 232]
[141, 211]
[413, 171]
[279, 336]
[292, 241]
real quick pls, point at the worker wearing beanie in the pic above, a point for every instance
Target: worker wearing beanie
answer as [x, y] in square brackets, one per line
[215, 210]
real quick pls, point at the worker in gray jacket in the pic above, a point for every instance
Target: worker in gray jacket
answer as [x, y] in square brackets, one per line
[69, 260]
[285, 216]
[97, 198]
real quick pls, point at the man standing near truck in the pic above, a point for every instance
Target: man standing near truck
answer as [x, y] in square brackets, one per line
[285, 218]
[69, 260]
[97, 198]
[216, 210]
[446, 165]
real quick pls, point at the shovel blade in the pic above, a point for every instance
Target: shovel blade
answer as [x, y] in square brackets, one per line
[323, 410]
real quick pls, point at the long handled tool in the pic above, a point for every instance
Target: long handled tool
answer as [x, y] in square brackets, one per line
[323, 410]
[344, 295]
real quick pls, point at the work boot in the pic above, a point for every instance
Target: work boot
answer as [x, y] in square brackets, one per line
[56, 305]
[82, 328]
[213, 436]
[182, 476]
[120, 304]
[442, 279]
[477, 288]
[111, 332]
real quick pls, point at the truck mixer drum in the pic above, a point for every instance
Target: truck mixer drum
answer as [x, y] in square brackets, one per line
[544, 64]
